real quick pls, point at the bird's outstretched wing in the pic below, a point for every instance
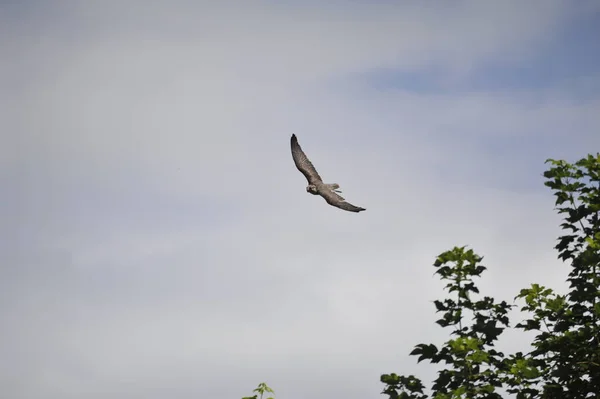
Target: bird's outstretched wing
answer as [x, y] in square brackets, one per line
[303, 164]
[338, 201]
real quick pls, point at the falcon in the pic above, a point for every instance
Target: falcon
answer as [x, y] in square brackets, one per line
[315, 183]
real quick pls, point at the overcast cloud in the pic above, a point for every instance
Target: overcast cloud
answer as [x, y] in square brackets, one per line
[157, 240]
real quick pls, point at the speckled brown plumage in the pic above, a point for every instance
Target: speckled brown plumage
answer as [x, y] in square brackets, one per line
[315, 183]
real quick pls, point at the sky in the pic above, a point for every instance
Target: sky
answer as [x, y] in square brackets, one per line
[157, 239]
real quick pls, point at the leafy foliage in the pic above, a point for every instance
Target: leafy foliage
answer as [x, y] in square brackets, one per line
[260, 390]
[567, 348]
[565, 360]
[473, 363]
[395, 383]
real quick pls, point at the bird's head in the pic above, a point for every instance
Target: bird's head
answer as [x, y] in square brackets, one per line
[311, 188]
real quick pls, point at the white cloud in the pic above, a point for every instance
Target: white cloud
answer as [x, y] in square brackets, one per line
[165, 243]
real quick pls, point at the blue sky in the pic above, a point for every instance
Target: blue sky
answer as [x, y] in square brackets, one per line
[161, 239]
[570, 57]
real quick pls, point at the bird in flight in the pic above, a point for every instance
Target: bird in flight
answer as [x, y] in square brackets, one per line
[315, 183]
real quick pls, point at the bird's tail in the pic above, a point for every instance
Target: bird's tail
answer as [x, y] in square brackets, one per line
[334, 187]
